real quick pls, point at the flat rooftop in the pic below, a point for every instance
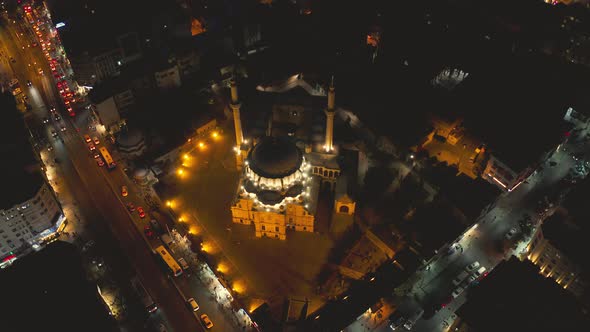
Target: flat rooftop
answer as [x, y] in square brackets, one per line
[20, 170]
[515, 297]
[515, 108]
[49, 291]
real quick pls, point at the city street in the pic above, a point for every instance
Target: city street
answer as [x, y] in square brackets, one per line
[431, 287]
[103, 187]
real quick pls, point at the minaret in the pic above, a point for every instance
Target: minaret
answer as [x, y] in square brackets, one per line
[235, 106]
[330, 111]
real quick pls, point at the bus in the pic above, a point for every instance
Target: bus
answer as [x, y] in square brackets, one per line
[169, 260]
[107, 157]
[144, 296]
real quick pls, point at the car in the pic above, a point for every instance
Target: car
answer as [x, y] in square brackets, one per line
[130, 207]
[480, 271]
[156, 225]
[96, 156]
[183, 263]
[45, 120]
[469, 280]
[162, 328]
[87, 139]
[472, 266]
[40, 71]
[56, 117]
[95, 140]
[12, 60]
[53, 133]
[457, 292]
[91, 147]
[29, 83]
[206, 321]
[50, 148]
[455, 247]
[446, 302]
[148, 232]
[124, 191]
[99, 162]
[141, 212]
[63, 128]
[459, 278]
[192, 304]
[510, 233]
[52, 109]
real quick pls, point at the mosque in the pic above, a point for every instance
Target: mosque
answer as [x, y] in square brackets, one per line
[283, 167]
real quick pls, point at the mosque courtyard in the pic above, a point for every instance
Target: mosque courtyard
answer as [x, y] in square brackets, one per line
[259, 269]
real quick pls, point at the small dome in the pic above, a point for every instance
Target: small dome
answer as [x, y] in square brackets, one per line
[129, 138]
[275, 157]
[140, 173]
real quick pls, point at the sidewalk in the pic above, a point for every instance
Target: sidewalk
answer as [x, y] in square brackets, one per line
[211, 283]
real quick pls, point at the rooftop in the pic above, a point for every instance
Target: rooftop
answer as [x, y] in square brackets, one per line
[502, 106]
[515, 297]
[52, 280]
[23, 168]
[275, 157]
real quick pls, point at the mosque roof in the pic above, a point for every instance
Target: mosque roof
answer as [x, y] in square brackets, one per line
[275, 157]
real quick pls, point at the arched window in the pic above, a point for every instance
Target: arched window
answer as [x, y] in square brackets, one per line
[325, 173]
[315, 170]
[331, 174]
[343, 209]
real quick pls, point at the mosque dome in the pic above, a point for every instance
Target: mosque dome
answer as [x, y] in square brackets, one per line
[275, 158]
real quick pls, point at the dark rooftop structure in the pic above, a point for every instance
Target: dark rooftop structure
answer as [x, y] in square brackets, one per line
[565, 234]
[515, 297]
[91, 26]
[47, 291]
[502, 106]
[23, 171]
[275, 157]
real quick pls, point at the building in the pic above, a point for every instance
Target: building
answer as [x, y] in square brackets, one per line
[96, 54]
[53, 279]
[168, 77]
[29, 210]
[111, 101]
[514, 297]
[285, 165]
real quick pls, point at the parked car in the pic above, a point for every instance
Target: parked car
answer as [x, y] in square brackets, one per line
[141, 212]
[206, 321]
[148, 232]
[183, 263]
[192, 304]
[124, 191]
[457, 292]
[99, 162]
[130, 207]
[510, 233]
[480, 271]
[472, 266]
[455, 247]
[96, 140]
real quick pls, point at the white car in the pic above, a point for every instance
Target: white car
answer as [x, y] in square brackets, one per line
[472, 266]
[479, 272]
[510, 233]
[457, 292]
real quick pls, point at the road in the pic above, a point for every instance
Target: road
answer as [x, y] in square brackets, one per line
[82, 170]
[485, 242]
